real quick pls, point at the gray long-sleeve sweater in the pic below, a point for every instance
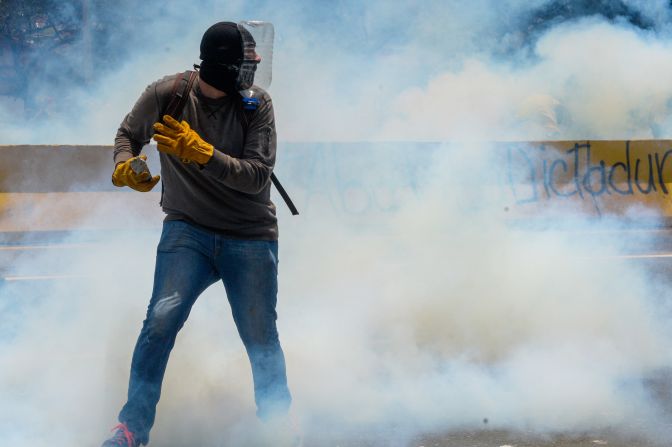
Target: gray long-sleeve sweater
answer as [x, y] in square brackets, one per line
[231, 193]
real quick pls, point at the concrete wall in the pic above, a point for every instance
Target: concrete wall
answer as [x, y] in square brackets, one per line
[47, 188]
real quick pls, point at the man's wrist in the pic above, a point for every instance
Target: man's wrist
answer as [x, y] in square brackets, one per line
[203, 165]
[122, 158]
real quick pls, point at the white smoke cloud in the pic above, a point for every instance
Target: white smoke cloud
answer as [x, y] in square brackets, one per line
[426, 316]
[591, 79]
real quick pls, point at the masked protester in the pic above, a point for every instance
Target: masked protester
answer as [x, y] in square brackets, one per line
[220, 223]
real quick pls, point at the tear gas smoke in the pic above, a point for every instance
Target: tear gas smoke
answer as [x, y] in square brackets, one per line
[407, 303]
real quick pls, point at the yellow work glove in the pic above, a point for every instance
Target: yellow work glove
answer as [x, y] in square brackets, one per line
[179, 139]
[125, 175]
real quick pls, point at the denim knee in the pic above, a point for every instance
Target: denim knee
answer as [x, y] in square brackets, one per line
[164, 317]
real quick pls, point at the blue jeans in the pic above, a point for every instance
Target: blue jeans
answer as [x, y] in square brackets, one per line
[189, 259]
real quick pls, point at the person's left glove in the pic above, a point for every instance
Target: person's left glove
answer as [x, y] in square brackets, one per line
[179, 139]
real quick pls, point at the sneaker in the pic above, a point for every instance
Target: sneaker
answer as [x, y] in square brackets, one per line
[123, 437]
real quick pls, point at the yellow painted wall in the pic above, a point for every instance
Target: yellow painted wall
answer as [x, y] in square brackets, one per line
[591, 177]
[45, 188]
[59, 211]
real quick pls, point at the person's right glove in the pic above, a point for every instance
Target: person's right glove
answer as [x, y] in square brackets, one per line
[125, 175]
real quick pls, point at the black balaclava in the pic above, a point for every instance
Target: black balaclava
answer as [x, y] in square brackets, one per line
[221, 52]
